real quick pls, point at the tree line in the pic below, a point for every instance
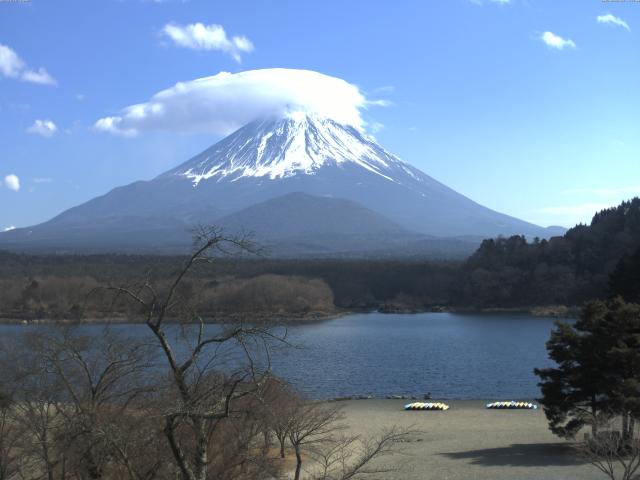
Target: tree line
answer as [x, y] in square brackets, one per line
[504, 273]
[566, 270]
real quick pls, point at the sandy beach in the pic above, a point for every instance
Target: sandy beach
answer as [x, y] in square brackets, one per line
[470, 442]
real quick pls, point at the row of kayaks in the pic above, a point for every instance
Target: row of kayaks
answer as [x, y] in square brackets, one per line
[426, 406]
[510, 405]
[513, 405]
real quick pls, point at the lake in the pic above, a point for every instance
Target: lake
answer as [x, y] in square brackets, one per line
[461, 356]
[453, 356]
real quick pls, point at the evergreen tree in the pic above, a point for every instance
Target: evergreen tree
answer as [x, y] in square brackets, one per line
[625, 279]
[598, 369]
[622, 323]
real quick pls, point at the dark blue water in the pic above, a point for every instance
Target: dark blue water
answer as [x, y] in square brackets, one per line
[450, 355]
[453, 356]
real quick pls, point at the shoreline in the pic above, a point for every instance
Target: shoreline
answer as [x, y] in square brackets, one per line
[554, 311]
[551, 311]
[276, 319]
[414, 398]
[467, 403]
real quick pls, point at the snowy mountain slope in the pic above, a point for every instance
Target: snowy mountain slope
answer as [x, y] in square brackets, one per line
[299, 144]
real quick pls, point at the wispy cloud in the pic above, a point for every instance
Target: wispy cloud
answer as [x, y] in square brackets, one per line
[198, 36]
[12, 182]
[376, 127]
[613, 20]
[555, 41]
[579, 212]
[383, 89]
[44, 128]
[12, 66]
[605, 192]
[8, 229]
[42, 180]
[480, 2]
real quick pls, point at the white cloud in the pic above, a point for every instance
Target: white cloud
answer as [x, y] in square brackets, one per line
[116, 125]
[12, 66]
[42, 180]
[613, 20]
[224, 102]
[12, 182]
[8, 229]
[40, 76]
[555, 41]
[198, 36]
[45, 128]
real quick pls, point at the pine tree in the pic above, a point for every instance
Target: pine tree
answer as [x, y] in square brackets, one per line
[598, 370]
[625, 279]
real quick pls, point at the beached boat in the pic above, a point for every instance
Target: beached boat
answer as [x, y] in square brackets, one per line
[511, 405]
[427, 406]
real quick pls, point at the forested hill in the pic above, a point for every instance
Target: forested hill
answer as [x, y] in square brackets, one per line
[563, 270]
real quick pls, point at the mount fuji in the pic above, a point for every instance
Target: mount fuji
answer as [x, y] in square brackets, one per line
[304, 184]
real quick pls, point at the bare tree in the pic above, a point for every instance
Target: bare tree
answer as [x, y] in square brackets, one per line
[43, 444]
[349, 457]
[139, 450]
[100, 378]
[616, 455]
[202, 396]
[312, 424]
[35, 411]
[278, 404]
[237, 453]
[316, 430]
[10, 435]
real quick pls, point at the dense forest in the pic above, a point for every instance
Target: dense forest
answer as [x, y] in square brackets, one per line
[590, 261]
[563, 270]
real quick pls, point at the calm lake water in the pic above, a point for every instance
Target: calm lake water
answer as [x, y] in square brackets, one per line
[453, 356]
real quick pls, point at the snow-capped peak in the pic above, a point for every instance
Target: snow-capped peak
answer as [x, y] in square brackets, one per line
[300, 143]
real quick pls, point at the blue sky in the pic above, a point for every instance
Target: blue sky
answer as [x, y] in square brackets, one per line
[475, 97]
